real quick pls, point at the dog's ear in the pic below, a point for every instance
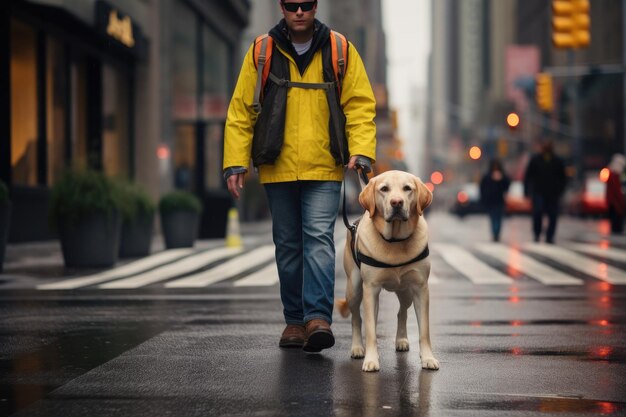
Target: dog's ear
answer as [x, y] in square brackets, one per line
[424, 196]
[367, 198]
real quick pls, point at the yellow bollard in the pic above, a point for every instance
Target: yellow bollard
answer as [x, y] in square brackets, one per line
[233, 235]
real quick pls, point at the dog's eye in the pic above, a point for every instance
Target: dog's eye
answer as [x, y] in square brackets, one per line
[384, 188]
[407, 188]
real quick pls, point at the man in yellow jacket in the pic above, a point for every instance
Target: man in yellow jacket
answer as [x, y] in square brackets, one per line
[303, 182]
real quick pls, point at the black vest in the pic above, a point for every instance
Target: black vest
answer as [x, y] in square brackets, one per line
[269, 130]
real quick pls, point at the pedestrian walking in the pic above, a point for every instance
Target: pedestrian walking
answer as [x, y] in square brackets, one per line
[493, 187]
[614, 194]
[316, 116]
[544, 183]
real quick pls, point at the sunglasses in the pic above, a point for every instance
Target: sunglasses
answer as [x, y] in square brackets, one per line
[306, 6]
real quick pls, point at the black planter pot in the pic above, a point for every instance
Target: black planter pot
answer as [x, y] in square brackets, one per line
[180, 228]
[91, 241]
[136, 237]
[5, 221]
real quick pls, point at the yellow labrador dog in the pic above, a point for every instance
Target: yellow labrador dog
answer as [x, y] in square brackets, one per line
[393, 236]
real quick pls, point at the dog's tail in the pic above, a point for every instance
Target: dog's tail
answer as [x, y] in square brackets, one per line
[342, 306]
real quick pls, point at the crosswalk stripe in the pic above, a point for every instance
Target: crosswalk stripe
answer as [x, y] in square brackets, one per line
[226, 270]
[606, 252]
[574, 260]
[527, 265]
[183, 266]
[467, 264]
[262, 278]
[119, 272]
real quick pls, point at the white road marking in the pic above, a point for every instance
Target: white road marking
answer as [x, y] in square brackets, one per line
[467, 264]
[119, 272]
[175, 269]
[574, 260]
[513, 258]
[265, 277]
[225, 270]
[606, 252]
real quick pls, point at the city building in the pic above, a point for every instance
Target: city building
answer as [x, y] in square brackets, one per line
[136, 89]
[485, 57]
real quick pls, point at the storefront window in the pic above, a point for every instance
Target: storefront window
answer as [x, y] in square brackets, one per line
[115, 150]
[214, 151]
[215, 77]
[185, 157]
[23, 104]
[56, 84]
[214, 102]
[184, 63]
[79, 111]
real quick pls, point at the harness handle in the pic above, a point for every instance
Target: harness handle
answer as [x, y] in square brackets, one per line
[363, 180]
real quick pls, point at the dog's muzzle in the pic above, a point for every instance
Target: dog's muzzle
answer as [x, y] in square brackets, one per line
[397, 213]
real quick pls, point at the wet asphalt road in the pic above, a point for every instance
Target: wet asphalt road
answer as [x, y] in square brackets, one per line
[505, 350]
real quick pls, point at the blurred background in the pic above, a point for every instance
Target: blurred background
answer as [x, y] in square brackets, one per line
[139, 89]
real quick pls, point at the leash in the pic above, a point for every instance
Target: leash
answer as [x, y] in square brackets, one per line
[363, 180]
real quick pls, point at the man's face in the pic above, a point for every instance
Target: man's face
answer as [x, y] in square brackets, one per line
[299, 15]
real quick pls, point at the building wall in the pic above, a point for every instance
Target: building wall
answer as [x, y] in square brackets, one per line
[143, 78]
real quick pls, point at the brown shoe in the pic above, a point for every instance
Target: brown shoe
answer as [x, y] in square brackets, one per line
[293, 336]
[318, 336]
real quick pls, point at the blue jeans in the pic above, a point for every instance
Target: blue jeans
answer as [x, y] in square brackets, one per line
[303, 225]
[495, 216]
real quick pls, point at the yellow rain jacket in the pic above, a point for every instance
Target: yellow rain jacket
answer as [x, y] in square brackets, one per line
[305, 154]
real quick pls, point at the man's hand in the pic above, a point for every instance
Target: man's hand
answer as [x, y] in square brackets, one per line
[359, 161]
[235, 183]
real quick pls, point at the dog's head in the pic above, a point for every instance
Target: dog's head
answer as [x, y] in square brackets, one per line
[395, 195]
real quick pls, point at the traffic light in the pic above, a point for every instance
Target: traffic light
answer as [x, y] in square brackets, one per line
[512, 120]
[570, 23]
[543, 91]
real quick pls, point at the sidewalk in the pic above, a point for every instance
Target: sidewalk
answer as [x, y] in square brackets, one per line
[45, 259]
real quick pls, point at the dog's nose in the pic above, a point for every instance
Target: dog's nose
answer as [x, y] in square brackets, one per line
[396, 202]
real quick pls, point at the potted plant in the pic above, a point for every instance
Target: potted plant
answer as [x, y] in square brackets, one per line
[180, 215]
[5, 216]
[137, 220]
[85, 208]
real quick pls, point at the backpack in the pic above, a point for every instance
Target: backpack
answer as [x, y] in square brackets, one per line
[263, 48]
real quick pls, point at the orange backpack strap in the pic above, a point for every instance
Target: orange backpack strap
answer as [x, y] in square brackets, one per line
[339, 54]
[262, 55]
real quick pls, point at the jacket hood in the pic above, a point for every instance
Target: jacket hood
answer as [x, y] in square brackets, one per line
[280, 34]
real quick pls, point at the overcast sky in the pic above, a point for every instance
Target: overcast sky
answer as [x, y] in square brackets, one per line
[407, 28]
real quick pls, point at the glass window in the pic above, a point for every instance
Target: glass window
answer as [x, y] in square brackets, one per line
[184, 63]
[23, 104]
[185, 156]
[79, 111]
[215, 77]
[213, 157]
[56, 85]
[115, 149]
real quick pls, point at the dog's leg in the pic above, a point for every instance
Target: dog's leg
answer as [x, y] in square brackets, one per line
[370, 308]
[355, 296]
[421, 305]
[402, 339]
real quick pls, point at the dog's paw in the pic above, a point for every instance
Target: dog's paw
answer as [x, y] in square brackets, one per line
[430, 363]
[357, 352]
[370, 365]
[402, 345]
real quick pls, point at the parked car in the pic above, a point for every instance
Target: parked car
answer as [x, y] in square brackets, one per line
[515, 201]
[588, 200]
[467, 200]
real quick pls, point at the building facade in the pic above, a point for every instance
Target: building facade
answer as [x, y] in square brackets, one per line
[137, 89]
[485, 56]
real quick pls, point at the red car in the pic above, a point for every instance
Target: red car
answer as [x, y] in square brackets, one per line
[590, 200]
[515, 202]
